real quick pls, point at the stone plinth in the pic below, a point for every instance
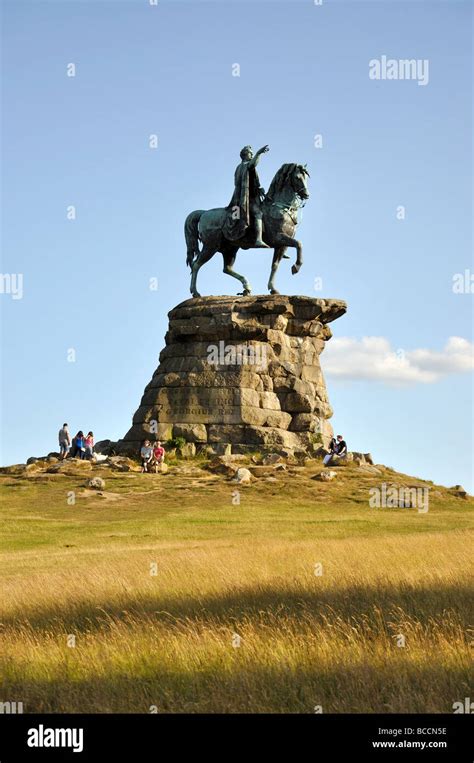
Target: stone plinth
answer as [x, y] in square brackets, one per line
[241, 370]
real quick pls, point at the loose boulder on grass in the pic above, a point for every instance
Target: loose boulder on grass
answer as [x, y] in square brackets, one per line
[458, 491]
[266, 471]
[325, 476]
[360, 458]
[123, 464]
[96, 483]
[34, 467]
[70, 466]
[225, 464]
[99, 458]
[272, 458]
[105, 447]
[242, 476]
[369, 469]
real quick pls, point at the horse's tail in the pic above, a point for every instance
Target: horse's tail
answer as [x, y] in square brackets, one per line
[191, 234]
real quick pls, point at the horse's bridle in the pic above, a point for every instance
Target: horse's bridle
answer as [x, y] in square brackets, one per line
[300, 202]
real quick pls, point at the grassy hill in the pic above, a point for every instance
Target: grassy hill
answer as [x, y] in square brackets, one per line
[165, 594]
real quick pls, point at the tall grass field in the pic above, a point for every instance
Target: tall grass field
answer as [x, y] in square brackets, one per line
[181, 593]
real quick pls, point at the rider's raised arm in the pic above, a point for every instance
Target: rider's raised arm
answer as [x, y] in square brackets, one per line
[253, 162]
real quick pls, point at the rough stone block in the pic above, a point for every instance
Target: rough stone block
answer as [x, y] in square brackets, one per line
[270, 401]
[190, 432]
[226, 433]
[278, 419]
[243, 371]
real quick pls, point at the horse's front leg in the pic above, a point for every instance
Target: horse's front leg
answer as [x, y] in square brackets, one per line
[283, 240]
[278, 254]
[299, 256]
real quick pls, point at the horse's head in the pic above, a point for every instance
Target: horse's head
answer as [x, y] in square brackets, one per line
[291, 179]
[299, 181]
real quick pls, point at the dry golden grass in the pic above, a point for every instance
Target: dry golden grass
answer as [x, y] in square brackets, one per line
[235, 619]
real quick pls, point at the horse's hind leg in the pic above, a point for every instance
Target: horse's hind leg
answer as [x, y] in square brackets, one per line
[206, 253]
[278, 254]
[229, 254]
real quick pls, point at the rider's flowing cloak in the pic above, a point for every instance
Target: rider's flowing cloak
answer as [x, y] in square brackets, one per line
[238, 211]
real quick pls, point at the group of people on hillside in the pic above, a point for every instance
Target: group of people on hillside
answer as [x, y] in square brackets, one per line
[152, 456]
[337, 450]
[81, 446]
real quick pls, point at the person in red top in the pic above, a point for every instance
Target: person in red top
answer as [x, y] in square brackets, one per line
[158, 455]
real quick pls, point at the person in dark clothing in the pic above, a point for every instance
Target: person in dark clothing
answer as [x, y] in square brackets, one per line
[338, 450]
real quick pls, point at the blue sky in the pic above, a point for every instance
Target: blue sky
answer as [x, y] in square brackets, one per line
[304, 70]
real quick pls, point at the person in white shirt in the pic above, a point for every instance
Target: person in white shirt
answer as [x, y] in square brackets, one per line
[146, 454]
[64, 441]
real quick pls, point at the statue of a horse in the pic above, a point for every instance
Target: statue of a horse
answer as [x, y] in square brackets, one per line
[287, 192]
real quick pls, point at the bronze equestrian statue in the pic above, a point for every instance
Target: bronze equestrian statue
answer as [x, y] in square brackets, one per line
[246, 203]
[252, 219]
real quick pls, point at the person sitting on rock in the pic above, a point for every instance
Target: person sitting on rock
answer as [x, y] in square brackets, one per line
[64, 442]
[89, 445]
[332, 450]
[341, 448]
[146, 454]
[158, 455]
[78, 445]
[338, 450]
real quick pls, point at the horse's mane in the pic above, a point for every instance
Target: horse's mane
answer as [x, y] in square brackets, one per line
[282, 176]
